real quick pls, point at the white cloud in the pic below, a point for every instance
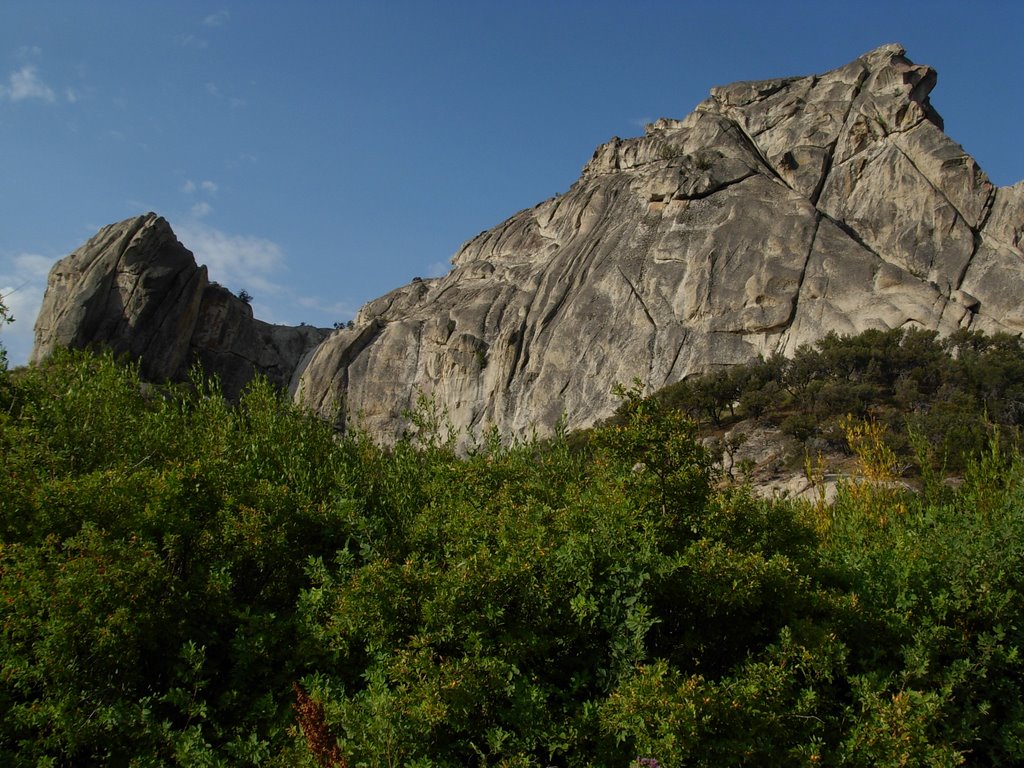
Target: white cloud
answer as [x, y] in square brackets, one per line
[218, 19]
[207, 186]
[32, 265]
[256, 264]
[26, 84]
[201, 210]
[23, 301]
[235, 261]
[212, 89]
[22, 283]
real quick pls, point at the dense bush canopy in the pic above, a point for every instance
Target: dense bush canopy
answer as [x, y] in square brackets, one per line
[943, 393]
[184, 581]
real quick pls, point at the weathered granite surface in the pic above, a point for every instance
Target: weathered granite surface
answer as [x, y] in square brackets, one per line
[135, 289]
[775, 212]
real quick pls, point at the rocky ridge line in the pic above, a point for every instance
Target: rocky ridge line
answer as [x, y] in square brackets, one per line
[777, 211]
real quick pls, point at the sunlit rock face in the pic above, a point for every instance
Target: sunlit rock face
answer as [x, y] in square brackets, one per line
[133, 288]
[777, 211]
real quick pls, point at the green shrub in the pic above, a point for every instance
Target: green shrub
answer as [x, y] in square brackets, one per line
[188, 582]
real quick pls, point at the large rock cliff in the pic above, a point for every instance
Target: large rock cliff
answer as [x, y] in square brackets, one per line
[777, 211]
[135, 289]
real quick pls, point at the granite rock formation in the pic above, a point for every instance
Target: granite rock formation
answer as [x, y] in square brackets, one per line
[133, 288]
[777, 211]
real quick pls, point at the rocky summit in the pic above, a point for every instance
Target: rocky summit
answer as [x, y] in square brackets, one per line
[777, 211]
[135, 289]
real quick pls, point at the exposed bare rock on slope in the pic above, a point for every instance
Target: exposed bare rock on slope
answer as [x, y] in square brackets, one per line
[135, 289]
[777, 211]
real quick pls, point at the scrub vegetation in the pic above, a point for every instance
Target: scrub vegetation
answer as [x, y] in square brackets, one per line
[186, 581]
[938, 399]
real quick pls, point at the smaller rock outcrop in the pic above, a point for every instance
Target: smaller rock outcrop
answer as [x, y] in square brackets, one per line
[134, 289]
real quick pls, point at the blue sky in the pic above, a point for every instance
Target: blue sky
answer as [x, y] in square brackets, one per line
[318, 154]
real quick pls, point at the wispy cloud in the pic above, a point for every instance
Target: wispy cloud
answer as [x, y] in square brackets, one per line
[236, 261]
[257, 265]
[335, 309]
[206, 186]
[202, 209]
[26, 84]
[32, 265]
[22, 284]
[214, 90]
[218, 19]
[192, 41]
[28, 52]
[212, 21]
[242, 159]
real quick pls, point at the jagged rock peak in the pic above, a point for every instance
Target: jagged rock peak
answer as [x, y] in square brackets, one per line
[776, 211]
[132, 287]
[136, 290]
[791, 122]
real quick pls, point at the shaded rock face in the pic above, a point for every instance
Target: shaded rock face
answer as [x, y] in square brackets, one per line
[776, 212]
[136, 290]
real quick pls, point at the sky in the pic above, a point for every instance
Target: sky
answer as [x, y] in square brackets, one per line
[319, 154]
